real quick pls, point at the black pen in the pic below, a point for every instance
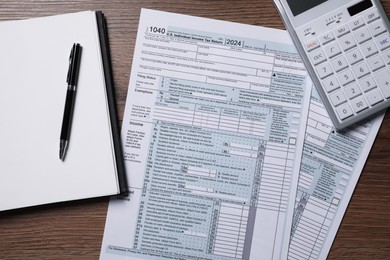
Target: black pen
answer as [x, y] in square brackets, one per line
[71, 80]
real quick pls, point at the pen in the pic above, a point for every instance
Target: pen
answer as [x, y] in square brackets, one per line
[71, 80]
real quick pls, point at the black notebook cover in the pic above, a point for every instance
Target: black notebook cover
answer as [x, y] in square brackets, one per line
[105, 50]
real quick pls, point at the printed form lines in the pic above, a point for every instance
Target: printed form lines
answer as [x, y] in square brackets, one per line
[224, 121]
[276, 177]
[222, 61]
[319, 127]
[313, 227]
[231, 229]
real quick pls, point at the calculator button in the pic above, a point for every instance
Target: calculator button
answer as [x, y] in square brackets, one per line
[375, 62]
[367, 83]
[347, 42]
[359, 22]
[359, 104]
[383, 41]
[361, 70]
[344, 111]
[383, 79]
[386, 56]
[377, 28]
[369, 49]
[332, 49]
[352, 91]
[324, 70]
[371, 16]
[331, 84]
[317, 56]
[327, 37]
[362, 35]
[355, 56]
[346, 77]
[339, 63]
[374, 96]
[342, 30]
[337, 98]
[312, 44]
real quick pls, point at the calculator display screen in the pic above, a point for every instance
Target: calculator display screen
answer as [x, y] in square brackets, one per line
[359, 7]
[300, 6]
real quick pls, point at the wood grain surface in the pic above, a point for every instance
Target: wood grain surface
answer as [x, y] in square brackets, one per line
[74, 230]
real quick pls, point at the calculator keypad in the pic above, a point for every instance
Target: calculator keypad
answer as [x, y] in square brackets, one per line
[351, 62]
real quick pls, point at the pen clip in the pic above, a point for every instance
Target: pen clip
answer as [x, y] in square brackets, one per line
[70, 65]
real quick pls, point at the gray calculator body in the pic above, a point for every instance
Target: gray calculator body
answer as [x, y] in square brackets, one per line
[345, 46]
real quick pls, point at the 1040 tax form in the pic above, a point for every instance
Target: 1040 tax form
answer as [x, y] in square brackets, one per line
[213, 135]
[330, 168]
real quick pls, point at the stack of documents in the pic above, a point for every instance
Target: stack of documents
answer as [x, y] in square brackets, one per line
[230, 153]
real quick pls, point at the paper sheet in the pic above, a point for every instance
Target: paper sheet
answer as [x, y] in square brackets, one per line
[34, 61]
[331, 166]
[213, 132]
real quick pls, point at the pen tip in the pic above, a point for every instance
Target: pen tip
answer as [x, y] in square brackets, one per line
[63, 146]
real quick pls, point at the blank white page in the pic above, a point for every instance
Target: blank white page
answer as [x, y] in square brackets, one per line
[34, 60]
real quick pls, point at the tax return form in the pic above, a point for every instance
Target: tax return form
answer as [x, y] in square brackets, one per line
[330, 168]
[213, 135]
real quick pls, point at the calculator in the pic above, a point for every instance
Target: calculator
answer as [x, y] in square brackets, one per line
[345, 46]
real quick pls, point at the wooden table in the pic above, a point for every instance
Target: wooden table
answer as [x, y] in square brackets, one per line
[74, 230]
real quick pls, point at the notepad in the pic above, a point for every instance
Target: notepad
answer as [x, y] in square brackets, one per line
[34, 59]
